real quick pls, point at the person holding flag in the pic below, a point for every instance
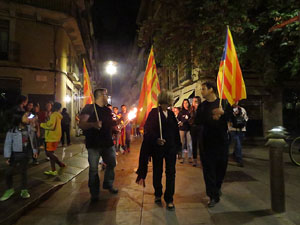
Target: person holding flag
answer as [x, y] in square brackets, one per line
[214, 120]
[215, 141]
[161, 142]
[98, 134]
[96, 121]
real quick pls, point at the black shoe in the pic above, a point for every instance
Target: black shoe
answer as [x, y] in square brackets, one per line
[170, 206]
[94, 198]
[212, 202]
[220, 193]
[35, 162]
[157, 200]
[112, 190]
[240, 164]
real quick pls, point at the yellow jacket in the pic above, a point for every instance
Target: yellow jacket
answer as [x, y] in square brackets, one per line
[53, 127]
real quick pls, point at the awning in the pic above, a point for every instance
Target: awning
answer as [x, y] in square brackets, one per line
[186, 95]
[175, 100]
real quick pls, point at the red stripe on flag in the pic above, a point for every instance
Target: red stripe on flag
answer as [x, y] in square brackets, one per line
[229, 42]
[220, 87]
[154, 96]
[228, 64]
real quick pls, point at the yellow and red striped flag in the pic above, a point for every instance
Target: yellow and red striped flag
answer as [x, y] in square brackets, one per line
[230, 80]
[87, 89]
[149, 92]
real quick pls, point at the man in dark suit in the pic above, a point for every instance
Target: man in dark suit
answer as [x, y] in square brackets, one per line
[160, 144]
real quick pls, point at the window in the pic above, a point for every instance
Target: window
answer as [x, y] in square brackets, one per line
[174, 78]
[4, 39]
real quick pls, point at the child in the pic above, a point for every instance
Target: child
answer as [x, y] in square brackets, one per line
[17, 148]
[52, 137]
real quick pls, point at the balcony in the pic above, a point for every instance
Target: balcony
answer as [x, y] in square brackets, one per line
[64, 6]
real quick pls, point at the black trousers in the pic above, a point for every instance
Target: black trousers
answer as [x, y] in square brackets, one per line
[17, 161]
[65, 130]
[214, 162]
[170, 161]
[196, 134]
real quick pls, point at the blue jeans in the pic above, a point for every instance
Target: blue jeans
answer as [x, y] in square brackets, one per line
[237, 138]
[186, 140]
[109, 157]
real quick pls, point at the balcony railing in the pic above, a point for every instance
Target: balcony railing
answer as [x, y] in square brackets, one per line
[65, 6]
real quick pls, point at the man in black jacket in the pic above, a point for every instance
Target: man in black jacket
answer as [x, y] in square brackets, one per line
[215, 141]
[159, 147]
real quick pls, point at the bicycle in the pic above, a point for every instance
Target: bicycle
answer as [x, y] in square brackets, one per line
[294, 151]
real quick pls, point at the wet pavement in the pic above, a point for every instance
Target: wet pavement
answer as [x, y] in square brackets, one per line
[41, 186]
[245, 199]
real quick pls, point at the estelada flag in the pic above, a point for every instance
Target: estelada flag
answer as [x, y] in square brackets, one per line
[87, 89]
[149, 92]
[231, 86]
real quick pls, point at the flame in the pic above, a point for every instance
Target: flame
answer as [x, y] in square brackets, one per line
[132, 114]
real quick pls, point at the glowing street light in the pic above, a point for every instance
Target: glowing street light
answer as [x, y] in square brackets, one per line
[111, 69]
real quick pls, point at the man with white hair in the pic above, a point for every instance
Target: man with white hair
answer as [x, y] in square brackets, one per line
[160, 144]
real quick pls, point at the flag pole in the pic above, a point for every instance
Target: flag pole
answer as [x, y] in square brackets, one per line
[222, 85]
[94, 104]
[91, 91]
[159, 121]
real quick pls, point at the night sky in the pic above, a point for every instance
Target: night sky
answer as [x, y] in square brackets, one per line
[115, 26]
[115, 30]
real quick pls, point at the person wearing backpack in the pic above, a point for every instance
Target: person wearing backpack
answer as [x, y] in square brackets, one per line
[237, 128]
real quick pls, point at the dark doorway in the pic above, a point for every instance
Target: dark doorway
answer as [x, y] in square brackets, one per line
[253, 106]
[291, 110]
[10, 89]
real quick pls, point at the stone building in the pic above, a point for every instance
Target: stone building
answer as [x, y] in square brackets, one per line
[42, 46]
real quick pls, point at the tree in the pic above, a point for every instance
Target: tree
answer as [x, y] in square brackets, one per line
[195, 30]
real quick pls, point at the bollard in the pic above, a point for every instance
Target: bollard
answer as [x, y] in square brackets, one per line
[276, 143]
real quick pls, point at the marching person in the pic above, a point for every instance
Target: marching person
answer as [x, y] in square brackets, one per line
[237, 128]
[126, 131]
[215, 141]
[52, 138]
[65, 126]
[184, 129]
[195, 130]
[117, 122]
[160, 146]
[99, 142]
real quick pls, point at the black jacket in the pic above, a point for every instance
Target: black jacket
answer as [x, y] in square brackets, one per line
[184, 116]
[215, 132]
[170, 133]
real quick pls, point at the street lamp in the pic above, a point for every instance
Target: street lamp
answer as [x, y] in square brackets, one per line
[111, 69]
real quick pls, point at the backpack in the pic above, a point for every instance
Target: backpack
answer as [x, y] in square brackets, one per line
[238, 121]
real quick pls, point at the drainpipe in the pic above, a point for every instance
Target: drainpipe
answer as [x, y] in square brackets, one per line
[54, 58]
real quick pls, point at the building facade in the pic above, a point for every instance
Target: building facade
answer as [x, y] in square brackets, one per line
[42, 45]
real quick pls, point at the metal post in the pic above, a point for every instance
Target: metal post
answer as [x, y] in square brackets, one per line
[276, 143]
[111, 91]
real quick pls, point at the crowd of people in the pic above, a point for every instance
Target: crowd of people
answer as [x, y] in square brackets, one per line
[33, 129]
[197, 128]
[30, 131]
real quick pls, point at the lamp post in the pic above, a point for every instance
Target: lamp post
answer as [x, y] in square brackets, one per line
[111, 69]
